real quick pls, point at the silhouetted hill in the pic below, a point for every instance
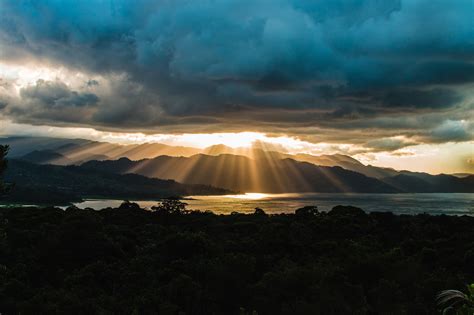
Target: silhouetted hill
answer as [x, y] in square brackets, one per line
[46, 157]
[132, 151]
[425, 183]
[346, 162]
[78, 151]
[52, 183]
[341, 160]
[244, 174]
[20, 146]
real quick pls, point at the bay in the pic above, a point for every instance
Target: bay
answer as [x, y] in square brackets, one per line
[432, 203]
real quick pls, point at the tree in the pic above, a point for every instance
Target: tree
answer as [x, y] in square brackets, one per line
[308, 211]
[171, 206]
[3, 165]
[127, 205]
[259, 211]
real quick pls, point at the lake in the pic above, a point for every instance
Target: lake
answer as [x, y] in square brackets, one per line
[436, 203]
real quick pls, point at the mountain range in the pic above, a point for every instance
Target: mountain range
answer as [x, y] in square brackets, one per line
[255, 169]
[236, 172]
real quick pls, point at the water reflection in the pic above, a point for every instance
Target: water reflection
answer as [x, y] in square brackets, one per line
[287, 203]
[250, 196]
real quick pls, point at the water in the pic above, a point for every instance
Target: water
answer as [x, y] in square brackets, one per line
[440, 203]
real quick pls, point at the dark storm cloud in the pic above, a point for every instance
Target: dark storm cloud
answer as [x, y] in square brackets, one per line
[48, 102]
[242, 63]
[453, 131]
[56, 94]
[433, 98]
[389, 144]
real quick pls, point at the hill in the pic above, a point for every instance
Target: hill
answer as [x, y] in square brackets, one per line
[63, 184]
[78, 151]
[425, 183]
[244, 174]
[46, 157]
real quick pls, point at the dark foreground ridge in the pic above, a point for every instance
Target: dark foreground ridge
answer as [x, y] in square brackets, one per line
[172, 261]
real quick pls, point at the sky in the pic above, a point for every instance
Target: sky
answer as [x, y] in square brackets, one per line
[389, 82]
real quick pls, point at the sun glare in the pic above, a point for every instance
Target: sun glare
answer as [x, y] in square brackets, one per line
[233, 140]
[250, 196]
[27, 74]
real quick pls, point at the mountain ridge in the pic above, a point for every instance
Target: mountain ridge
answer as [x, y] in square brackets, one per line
[244, 174]
[80, 151]
[64, 184]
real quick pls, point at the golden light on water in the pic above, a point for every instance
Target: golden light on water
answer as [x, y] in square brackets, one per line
[249, 196]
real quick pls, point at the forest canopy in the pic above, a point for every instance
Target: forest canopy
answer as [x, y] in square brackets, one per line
[173, 261]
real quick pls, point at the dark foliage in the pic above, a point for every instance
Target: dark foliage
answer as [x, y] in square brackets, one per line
[3, 166]
[172, 261]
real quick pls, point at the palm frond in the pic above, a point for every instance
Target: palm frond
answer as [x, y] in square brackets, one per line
[450, 299]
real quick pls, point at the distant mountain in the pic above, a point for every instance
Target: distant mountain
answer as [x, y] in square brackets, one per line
[426, 183]
[84, 152]
[63, 184]
[20, 146]
[244, 174]
[348, 163]
[77, 151]
[341, 160]
[46, 157]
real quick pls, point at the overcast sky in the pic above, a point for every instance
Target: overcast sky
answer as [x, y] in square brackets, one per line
[385, 80]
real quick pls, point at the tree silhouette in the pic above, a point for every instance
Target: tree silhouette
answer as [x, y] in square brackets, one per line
[259, 211]
[3, 165]
[307, 211]
[171, 206]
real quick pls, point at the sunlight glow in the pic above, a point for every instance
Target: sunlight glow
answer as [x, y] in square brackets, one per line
[249, 196]
[29, 73]
[431, 158]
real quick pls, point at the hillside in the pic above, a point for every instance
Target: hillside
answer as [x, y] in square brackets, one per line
[46, 157]
[64, 184]
[244, 174]
[78, 151]
[166, 162]
[425, 183]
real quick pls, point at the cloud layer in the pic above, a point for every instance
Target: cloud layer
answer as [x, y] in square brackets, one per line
[329, 70]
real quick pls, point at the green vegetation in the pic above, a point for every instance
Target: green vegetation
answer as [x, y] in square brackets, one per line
[173, 261]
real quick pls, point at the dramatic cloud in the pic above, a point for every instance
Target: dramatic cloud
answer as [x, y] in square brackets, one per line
[454, 131]
[365, 72]
[390, 144]
[50, 101]
[56, 94]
